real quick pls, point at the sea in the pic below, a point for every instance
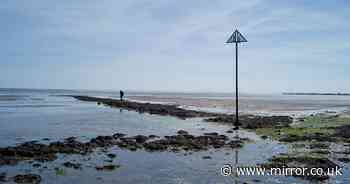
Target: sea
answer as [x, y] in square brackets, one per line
[46, 115]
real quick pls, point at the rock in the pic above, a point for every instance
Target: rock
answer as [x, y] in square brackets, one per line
[153, 136]
[36, 165]
[318, 145]
[284, 161]
[183, 141]
[235, 144]
[70, 139]
[342, 131]
[3, 177]
[175, 150]
[27, 178]
[229, 131]
[211, 134]
[264, 137]
[46, 158]
[345, 160]
[140, 138]
[155, 146]
[160, 109]
[118, 135]
[103, 141]
[182, 132]
[319, 137]
[206, 157]
[111, 155]
[320, 151]
[107, 167]
[72, 165]
[254, 122]
[248, 121]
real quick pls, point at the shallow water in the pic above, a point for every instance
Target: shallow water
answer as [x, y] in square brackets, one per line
[35, 115]
[268, 104]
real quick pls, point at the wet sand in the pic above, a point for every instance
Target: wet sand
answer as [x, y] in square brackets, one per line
[267, 105]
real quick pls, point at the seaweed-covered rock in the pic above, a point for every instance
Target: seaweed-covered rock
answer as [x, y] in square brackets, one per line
[72, 165]
[307, 137]
[151, 108]
[284, 161]
[140, 138]
[182, 132]
[156, 145]
[254, 122]
[183, 141]
[28, 178]
[153, 136]
[343, 131]
[111, 155]
[107, 167]
[118, 135]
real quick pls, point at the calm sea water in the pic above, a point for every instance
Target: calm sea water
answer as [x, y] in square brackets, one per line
[27, 115]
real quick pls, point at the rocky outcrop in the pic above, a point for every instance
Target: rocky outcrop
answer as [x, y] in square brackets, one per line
[247, 121]
[27, 178]
[307, 137]
[304, 162]
[181, 141]
[253, 122]
[159, 109]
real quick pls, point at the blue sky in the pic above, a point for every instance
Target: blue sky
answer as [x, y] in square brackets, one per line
[162, 45]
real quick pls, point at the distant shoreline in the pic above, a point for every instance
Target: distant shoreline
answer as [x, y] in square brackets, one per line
[329, 94]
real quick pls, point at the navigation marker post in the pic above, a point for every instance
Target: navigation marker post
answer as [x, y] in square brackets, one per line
[236, 38]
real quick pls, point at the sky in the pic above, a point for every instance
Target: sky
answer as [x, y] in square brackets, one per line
[163, 45]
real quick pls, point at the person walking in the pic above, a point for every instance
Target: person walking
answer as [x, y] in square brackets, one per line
[121, 95]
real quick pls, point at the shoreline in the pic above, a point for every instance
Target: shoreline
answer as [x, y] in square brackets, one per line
[260, 106]
[321, 94]
[312, 132]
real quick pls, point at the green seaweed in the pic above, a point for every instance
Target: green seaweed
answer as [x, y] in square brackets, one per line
[60, 171]
[323, 122]
[323, 126]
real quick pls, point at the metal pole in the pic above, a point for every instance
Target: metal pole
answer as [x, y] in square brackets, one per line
[237, 121]
[236, 124]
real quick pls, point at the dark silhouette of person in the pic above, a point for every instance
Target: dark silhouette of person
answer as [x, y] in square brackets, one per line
[121, 95]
